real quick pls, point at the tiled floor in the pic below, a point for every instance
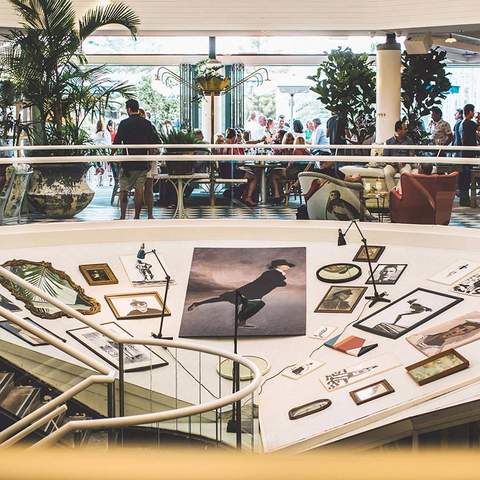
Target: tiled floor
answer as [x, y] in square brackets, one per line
[198, 207]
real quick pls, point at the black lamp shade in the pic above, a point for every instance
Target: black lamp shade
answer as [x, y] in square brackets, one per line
[341, 238]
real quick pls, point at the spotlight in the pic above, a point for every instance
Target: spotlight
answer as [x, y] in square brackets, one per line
[451, 39]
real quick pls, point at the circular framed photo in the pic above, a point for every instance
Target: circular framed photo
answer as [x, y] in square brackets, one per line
[339, 272]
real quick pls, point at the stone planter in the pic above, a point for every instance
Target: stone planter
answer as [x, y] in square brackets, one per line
[59, 190]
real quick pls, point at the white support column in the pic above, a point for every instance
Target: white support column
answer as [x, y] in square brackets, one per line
[388, 87]
[206, 112]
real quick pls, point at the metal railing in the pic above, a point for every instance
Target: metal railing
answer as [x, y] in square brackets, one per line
[38, 417]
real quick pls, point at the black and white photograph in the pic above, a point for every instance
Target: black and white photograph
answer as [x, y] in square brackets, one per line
[340, 299]
[470, 285]
[25, 335]
[144, 267]
[136, 357]
[301, 369]
[271, 282]
[128, 306]
[6, 303]
[455, 272]
[387, 273]
[407, 313]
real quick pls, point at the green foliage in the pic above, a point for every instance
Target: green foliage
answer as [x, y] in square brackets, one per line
[179, 137]
[345, 84]
[44, 61]
[206, 71]
[161, 107]
[425, 84]
[265, 104]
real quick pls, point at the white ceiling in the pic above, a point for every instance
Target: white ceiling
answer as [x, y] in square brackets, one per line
[314, 16]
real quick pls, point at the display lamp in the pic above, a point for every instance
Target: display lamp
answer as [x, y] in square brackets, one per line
[141, 256]
[376, 297]
[451, 39]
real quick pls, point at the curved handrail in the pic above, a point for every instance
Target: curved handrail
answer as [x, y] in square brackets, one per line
[117, 422]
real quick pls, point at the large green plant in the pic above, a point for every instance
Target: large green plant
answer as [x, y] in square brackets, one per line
[425, 84]
[45, 62]
[345, 84]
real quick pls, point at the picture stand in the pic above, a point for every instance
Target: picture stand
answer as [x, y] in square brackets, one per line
[141, 256]
[376, 297]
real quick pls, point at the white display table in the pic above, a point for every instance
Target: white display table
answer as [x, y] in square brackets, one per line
[426, 250]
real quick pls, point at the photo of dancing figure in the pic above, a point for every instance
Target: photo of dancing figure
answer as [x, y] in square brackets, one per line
[271, 287]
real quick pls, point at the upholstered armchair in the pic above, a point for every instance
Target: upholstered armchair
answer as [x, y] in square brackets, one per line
[426, 199]
[330, 198]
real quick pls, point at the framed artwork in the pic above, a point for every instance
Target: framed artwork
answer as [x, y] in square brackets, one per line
[309, 408]
[145, 270]
[52, 281]
[340, 299]
[452, 334]
[98, 274]
[127, 306]
[350, 344]
[25, 335]
[339, 273]
[387, 273]
[333, 380]
[371, 392]
[136, 357]
[406, 313]
[301, 369]
[438, 366]
[6, 303]
[374, 251]
[323, 332]
[469, 285]
[272, 282]
[455, 272]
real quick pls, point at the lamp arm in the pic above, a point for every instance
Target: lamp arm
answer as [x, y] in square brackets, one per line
[167, 276]
[354, 222]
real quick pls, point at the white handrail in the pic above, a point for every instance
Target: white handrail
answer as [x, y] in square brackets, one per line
[110, 377]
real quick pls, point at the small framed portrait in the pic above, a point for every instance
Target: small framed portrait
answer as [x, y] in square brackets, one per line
[127, 306]
[371, 392]
[374, 252]
[25, 335]
[438, 366]
[387, 273]
[98, 274]
[340, 299]
[309, 408]
[339, 272]
[136, 357]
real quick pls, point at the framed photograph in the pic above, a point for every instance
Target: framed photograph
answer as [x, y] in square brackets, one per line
[406, 313]
[374, 252]
[371, 392]
[98, 274]
[309, 408]
[25, 335]
[343, 377]
[6, 303]
[455, 272]
[301, 369]
[339, 272]
[340, 299]
[136, 357]
[387, 273]
[145, 270]
[127, 306]
[438, 366]
[469, 285]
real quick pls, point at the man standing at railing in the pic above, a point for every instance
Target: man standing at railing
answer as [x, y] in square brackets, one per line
[134, 130]
[468, 130]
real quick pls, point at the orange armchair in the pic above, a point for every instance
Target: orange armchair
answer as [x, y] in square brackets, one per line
[426, 199]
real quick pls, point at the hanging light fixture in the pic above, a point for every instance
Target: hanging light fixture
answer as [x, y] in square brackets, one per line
[451, 39]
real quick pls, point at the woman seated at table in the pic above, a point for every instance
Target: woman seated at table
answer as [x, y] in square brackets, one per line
[291, 169]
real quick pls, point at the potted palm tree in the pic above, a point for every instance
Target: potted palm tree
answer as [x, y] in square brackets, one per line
[45, 62]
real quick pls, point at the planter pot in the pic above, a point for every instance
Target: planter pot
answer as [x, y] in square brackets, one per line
[59, 190]
[209, 85]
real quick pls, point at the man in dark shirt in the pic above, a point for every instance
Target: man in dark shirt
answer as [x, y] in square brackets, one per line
[134, 130]
[467, 130]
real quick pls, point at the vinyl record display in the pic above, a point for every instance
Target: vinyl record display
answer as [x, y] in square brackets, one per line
[339, 273]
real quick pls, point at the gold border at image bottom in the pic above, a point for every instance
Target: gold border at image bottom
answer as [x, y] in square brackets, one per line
[225, 369]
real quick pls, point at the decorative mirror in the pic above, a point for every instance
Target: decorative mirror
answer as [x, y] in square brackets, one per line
[54, 282]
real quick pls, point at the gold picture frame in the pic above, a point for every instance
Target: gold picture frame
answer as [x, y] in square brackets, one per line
[138, 305]
[341, 299]
[374, 251]
[102, 271]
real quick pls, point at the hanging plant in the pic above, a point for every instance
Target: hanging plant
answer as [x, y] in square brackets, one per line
[209, 77]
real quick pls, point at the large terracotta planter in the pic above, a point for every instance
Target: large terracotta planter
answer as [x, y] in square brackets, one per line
[59, 190]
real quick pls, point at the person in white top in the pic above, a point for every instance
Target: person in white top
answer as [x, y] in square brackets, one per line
[102, 137]
[319, 137]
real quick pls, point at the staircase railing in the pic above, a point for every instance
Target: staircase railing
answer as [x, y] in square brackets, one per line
[108, 375]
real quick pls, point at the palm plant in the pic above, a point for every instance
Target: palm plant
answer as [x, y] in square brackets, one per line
[45, 62]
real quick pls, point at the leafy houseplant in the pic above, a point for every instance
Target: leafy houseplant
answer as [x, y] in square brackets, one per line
[425, 84]
[44, 61]
[180, 137]
[209, 78]
[345, 84]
